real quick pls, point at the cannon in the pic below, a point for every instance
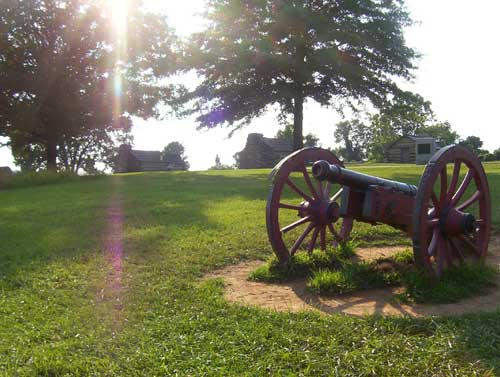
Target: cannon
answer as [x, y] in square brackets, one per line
[314, 200]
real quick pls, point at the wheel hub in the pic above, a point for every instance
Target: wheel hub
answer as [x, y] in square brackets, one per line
[453, 222]
[322, 211]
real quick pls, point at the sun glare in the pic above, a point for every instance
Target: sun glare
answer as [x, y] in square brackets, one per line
[119, 10]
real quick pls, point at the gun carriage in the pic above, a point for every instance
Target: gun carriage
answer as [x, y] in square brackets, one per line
[314, 201]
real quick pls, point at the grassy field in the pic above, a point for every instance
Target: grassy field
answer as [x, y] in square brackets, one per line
[102, 277]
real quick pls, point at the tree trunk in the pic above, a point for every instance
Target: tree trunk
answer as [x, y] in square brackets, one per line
[298, 117]
[51, 151]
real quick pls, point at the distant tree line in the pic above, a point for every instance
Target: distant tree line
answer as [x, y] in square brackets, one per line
[359, 141]
[71, 83]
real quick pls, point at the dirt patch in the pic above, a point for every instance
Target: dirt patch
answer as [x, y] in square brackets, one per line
[293, 296]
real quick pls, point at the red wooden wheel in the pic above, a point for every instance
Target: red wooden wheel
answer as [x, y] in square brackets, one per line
[452, 218]
[301, 212]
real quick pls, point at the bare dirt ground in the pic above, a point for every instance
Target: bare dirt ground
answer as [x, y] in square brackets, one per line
[293, 296]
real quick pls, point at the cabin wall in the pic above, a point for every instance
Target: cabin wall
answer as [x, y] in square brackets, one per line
[403, 149]
[257, 154]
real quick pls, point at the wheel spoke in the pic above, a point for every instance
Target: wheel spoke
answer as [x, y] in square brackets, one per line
[308, 181]
[328, 188]
[295, 224]
[447, 253]
[299, 241]
[297, 190]
[337, 195]
[433, 223]
[289, 206]
[434, 241]
[322, 237]
[454, 179]
[457, 250]
[440, 257]
[468, 242]
[314, 237]
[320, 189]
[463, 187]
[435, 202]
[444, 187]
[334, 232]
[474, 198]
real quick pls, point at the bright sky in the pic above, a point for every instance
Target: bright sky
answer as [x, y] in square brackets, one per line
[459, 74]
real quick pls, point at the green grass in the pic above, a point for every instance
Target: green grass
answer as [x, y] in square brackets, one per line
[350, 278]
[299, 266]
[332, 273]
[68, 308]
[460, 282]
[31, 179]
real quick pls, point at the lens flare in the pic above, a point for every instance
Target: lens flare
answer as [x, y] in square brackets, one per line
[119, 13]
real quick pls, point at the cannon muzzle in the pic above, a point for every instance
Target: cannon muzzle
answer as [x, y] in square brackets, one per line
[324, 171]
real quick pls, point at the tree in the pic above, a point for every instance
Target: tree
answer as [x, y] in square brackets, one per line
[404, 115]
[177, 149]
[255, 54]
[442, 132]
[237, 161]
[29, 157]
[472, 143]
[65, 77]
[310, 140]
[486, 156]
[354, 137]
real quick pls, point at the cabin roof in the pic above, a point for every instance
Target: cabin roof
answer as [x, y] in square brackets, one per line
[155, 156]
[279, 145]
[411, 137]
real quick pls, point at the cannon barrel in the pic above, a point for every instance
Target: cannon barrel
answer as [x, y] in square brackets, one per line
[322, 170]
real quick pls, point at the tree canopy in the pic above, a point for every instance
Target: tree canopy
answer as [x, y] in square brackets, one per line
[310, 140]
[472, 143]
[177, 149]
[256, 54]
[69, 80]
[442, 132]
[354, 136]
[407, 114]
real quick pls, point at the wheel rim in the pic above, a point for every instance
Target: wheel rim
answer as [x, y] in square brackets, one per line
[316, 204]
[451, 225]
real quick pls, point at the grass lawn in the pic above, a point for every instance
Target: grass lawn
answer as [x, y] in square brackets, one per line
[101, 277]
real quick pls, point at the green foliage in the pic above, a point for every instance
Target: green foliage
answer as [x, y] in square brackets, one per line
[176, 149]
[310, 140]
[442, 132]
[355, 137]
[486, 156]
[407, 113]
[253, 55]
[347, 249]
[69, 83]
[473, 143]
